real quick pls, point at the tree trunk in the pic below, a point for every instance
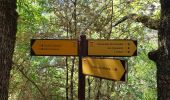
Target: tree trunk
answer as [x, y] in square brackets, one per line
[162, 55]
[8, 23]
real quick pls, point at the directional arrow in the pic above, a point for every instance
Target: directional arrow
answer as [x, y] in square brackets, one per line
[47, 47]
[112, 48]
[105, 68]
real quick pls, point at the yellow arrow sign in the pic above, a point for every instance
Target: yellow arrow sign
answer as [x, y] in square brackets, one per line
[49, 47]
[112, 48]
[105, 68]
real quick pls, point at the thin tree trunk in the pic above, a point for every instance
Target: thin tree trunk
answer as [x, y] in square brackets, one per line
[8, 28]
[108, 90]
[67, 87]
[89, 88]
[72, 81]
[111, 24]
[67, 69]
[75, 18]
[98, 91]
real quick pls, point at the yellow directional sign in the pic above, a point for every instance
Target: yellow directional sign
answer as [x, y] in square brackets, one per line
[112, 48]
[105, 68]
[47, 47]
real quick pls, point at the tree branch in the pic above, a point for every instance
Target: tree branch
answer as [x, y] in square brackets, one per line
[148, 22]
[123, 19]
[31, 81]
[145, 20]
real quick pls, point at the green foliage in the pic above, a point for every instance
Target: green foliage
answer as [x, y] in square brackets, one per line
[58, 19]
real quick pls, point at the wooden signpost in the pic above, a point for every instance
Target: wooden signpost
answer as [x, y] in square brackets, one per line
[104, 68]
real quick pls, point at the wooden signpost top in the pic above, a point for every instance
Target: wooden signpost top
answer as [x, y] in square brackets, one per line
[117, 48]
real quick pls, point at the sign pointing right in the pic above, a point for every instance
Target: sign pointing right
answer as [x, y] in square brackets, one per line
[112, 48]
[113, 69]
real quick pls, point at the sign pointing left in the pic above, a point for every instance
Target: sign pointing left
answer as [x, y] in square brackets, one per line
[47, 47]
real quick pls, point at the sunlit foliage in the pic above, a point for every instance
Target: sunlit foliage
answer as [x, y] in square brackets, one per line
[37, 78]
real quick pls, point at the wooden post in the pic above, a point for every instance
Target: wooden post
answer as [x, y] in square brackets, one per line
[81, 76]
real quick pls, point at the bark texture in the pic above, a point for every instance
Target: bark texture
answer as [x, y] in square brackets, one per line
[8, 28]
[162, 55]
